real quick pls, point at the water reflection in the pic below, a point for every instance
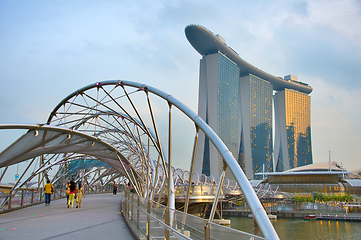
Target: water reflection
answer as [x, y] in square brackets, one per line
[299, 229]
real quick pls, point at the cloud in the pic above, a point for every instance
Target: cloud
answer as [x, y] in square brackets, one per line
[335, 124]
[321, 52]
[303, 37]
[51, 48]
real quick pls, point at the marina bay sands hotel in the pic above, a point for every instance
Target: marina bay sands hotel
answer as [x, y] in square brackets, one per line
[238, 100]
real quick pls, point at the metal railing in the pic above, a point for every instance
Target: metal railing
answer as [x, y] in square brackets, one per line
[151, 220]
[24, 198]
[28, 197]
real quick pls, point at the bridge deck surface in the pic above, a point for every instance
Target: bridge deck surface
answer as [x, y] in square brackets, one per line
[98, 218]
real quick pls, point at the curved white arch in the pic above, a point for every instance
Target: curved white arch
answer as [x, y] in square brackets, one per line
[257, 209]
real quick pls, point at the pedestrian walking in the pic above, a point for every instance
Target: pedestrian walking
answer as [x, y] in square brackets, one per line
[48, 188]
[67, 191]
[79, 195]
[130, 187]
[115, 188]
[72, 188]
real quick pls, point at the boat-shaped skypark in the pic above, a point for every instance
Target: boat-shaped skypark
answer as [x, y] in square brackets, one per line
[205, 43]
[243, 105]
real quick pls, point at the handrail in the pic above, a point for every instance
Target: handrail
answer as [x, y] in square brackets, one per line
[149, 219]
[28, 197]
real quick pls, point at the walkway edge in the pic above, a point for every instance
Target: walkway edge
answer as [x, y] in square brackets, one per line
[126, 222]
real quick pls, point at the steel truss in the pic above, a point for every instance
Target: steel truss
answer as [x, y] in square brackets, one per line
[110, 121]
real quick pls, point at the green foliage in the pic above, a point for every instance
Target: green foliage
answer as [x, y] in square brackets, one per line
[319, 197]
[310, 199]
[296, 199]
[349, 198]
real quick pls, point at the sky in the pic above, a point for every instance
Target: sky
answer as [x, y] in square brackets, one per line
[49, 49]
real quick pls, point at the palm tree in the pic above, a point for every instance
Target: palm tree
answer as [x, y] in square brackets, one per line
[296, 200]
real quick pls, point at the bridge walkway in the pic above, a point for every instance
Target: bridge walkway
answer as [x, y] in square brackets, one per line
[98, 218]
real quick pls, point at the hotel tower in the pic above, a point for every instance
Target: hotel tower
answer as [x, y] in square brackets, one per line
[236, 100]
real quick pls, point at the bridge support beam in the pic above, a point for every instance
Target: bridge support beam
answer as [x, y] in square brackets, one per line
[216, 197]
[191, 171]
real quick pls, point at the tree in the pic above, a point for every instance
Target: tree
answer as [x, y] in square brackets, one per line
[319, 197]
[348, 198]
[296, 199]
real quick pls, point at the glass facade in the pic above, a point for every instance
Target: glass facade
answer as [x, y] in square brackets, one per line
[256, 141]
[261, 93]
[240, 110]
[279, 167]
[227, 113]
[227, 109]
[308, 189]
[206, 166]
[237, 100]
[298, 128]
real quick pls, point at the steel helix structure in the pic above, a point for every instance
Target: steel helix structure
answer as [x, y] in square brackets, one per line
[123, 132]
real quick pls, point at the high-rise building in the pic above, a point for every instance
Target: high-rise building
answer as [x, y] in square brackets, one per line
[218, 106]
[256, 124]
[235, 99]
[293, 130]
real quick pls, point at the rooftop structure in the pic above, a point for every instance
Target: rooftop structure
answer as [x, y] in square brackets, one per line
[326, 178]
[205, 43]
[236, 100]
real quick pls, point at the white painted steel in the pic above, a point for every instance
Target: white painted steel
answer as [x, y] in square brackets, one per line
[258, 211]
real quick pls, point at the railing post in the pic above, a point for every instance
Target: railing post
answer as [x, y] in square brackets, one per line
[132, 210]
[148, 219]
[22, 197]
[167, 220]
[32, 196]
[206, 230]
[138, 220]
[126, 205]
[10, 200]
[216, 197]
[128, 202]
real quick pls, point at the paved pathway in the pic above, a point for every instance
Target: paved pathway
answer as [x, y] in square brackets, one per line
[98, 218]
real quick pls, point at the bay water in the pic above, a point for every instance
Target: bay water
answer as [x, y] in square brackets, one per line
[299, 229]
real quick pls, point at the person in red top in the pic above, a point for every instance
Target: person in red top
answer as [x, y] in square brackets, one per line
[71, 194]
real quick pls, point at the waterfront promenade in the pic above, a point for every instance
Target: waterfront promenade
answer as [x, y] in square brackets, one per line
[340, 216]
[98, 218]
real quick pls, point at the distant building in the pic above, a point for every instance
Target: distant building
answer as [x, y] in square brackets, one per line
[236, 100]
[218, 106]
[293, 130]
[327, 178]
[256, 124]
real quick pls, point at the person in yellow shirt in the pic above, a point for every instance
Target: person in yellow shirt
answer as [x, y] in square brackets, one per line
[48, 191]
[72, 188]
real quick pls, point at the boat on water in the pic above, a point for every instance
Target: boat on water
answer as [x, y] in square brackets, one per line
[310, 217]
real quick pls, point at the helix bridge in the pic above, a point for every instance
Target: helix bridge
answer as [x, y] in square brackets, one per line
[126, 133]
